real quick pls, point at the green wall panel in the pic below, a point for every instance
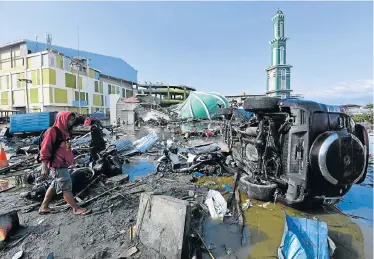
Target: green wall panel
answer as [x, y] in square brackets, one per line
[4, 98]
[97, 100]
[51, 95]
[49, 76]
[34, 95]
[35, 77]
[59, 61]
[70, 80]
[61, 95]
[92, 73]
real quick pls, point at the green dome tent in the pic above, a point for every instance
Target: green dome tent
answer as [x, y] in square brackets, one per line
[201, 105]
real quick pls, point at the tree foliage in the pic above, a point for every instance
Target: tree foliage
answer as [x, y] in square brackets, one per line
[369, 106]
[365, 117]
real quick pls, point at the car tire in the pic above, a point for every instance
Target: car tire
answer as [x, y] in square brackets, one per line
[363, 136]
[261, 104]
[257, 191]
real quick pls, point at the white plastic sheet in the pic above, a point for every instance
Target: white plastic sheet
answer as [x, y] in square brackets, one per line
[217, 205]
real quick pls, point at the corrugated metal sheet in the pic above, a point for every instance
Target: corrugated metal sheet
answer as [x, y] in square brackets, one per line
[304, 238]
[123, 144]
[144, 144]
[110, 66]
[147, 142]
[80, 141]
[31, 122]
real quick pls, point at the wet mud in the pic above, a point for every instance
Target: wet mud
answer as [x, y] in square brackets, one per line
[265, 227]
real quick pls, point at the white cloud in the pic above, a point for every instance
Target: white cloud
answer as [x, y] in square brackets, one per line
[359, 91]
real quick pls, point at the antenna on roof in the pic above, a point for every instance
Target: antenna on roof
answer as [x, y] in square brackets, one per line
[37, 44]
[48, 39]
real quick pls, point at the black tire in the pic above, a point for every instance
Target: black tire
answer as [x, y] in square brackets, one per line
[256, 191]
[363, 136]
[261, 104]
[163, 167]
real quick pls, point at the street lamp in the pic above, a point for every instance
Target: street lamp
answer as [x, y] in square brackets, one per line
[28, 81]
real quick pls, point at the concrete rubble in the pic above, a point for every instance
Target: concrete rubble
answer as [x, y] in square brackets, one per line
[163, 224]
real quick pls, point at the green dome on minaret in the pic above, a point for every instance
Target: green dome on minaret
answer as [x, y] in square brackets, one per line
[279, 72]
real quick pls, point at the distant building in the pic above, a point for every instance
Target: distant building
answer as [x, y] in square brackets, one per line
[168, 94]
[278, 73]
[43, 77]
[240, 98]
[354, 109]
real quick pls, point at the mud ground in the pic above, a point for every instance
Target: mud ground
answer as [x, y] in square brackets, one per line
[103, 234]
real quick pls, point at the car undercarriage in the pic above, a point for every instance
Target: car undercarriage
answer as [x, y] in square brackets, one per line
[296, 151]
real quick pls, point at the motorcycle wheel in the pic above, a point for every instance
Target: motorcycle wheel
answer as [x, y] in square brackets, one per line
[163, 167]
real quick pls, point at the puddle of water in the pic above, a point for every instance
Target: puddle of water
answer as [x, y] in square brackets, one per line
[138, 169]
[266, 226]
[359, 202]
[217, 234]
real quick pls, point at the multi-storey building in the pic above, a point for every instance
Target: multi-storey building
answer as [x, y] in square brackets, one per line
[279, 73]
[167, 94]
[42, 77]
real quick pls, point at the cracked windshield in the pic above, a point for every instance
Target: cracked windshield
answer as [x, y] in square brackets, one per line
[186, 130]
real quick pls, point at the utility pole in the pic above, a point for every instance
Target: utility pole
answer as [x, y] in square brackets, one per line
[79, 89]
[78, 64]
[27, 81]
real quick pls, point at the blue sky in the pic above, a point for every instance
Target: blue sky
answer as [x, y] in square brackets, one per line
[215, 46]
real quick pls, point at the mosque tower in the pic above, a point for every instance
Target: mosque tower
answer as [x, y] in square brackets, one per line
[278, 73]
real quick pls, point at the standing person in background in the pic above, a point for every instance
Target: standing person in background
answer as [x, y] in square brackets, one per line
[56, 157]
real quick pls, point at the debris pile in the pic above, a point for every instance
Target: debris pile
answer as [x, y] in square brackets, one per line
[160, 192]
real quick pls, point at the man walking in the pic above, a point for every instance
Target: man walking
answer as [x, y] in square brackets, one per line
[56, 157]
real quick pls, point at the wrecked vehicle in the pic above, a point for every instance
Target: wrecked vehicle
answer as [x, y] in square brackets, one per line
[298, 151]
[203, 158]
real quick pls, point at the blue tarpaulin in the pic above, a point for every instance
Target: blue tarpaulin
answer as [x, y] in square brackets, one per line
[304, 238]
[242, 114]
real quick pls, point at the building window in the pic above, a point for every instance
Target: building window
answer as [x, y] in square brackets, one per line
[283, 79]
[274, 56]
[281, 34]
[51, 62]
[281, 55]
[109, 89]
[275, 31]
[96, 86]
[101, 87]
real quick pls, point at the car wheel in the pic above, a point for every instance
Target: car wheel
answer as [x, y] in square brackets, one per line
[261, 104]
[257, 191]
